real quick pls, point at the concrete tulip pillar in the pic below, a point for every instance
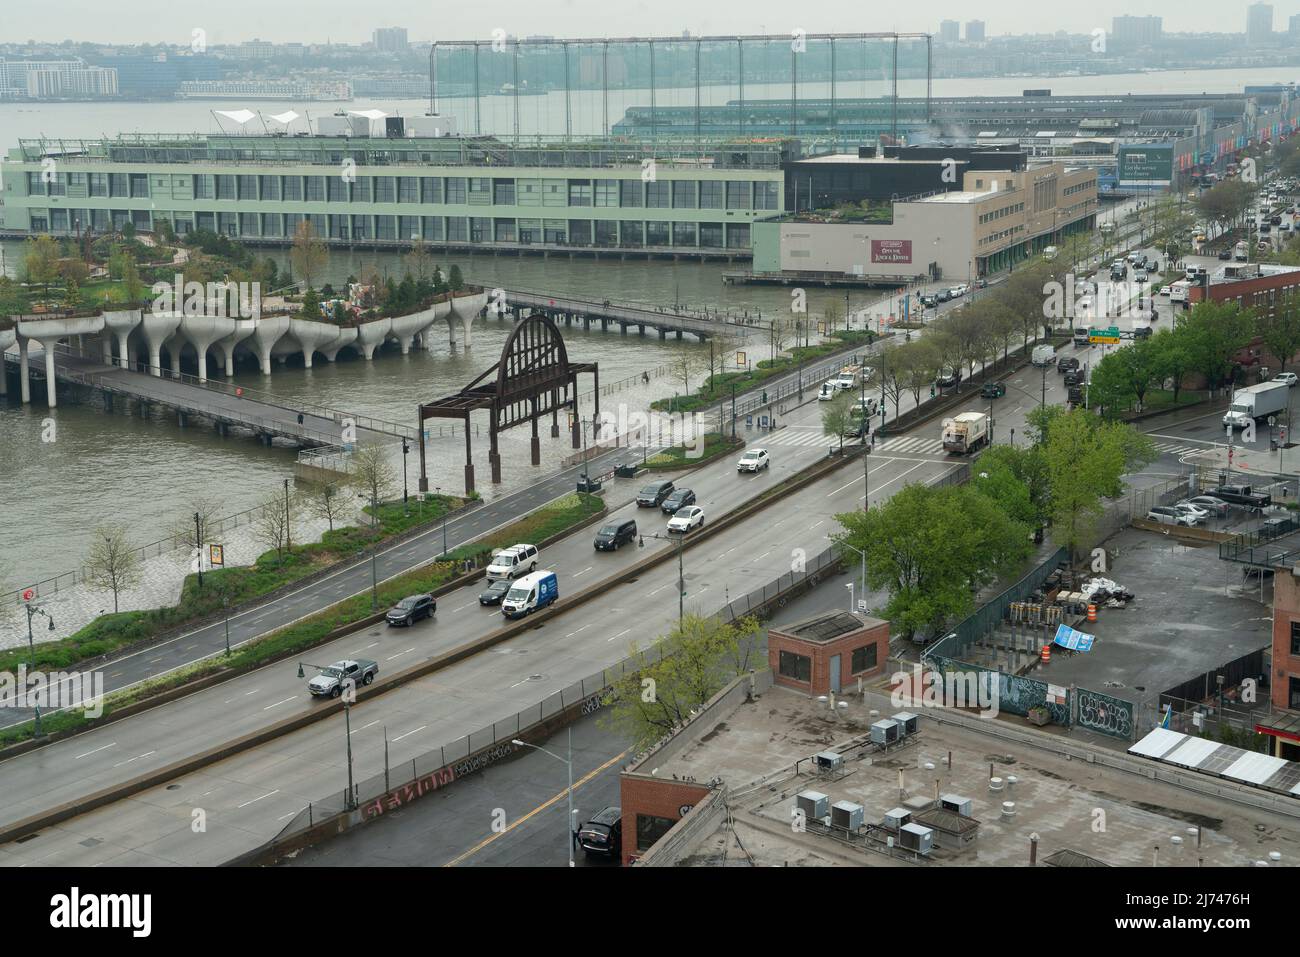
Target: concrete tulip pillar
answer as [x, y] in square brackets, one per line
[24, 380]
[48, 332]
[266, 333]
[243, 329]
[158, 328]
[311, 336]
[466, 309]
[120, 324]
[442, 313]
[7, 338]
[342, 337]
[204, 332]
[406, 328]
[370, 335]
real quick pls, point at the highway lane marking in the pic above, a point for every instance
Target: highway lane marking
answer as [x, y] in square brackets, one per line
[364, 726]
[278, 703]
[572, 633]
[256, 799]
[658, 590]
[518, 683]
[254, 691]
[904, 475]
[764, 555]
[466, 605]
[583, 572]
[409, 733]
[537, 810]
[619, 635]
[369, 646]
[399, 654]
[136, 758]
[96, 751]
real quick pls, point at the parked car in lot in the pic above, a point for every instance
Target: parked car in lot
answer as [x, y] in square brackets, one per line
[680, 498]
[943, 295]
[753, 460]
[692, 516]
[1187, 508]
[1290, 378]
[512, 562]
[1242, 495]
[612, 535]
[1168, 515]
[1215, 506]
[992, 390]
[654, 494]
[929, 300]
[411, 609]
[332, 680]
[603, 834]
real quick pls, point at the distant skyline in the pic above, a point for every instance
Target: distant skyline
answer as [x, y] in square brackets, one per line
[345, 21]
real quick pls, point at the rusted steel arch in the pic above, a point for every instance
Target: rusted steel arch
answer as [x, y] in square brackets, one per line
[533, 377]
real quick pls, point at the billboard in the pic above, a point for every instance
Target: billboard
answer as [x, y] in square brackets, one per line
[1151, 164]
[891, 251]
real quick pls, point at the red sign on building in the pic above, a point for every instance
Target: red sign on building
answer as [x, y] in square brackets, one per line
[891, 250]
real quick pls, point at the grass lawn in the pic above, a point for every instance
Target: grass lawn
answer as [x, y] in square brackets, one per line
[679, 456]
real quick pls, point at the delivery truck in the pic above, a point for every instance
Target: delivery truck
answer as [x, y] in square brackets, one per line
[530, 593]
[966, 433]
[1256, 402]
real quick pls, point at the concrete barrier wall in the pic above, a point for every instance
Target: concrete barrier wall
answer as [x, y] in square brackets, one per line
[1184, 533]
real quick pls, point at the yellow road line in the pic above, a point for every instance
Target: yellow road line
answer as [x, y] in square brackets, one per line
[537, 810]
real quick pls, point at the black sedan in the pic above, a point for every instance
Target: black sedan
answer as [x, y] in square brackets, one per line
[993, 390]
[679, 499]
[494, 592]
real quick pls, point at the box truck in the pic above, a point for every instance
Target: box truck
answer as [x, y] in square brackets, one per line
[529, 594]
[1256, 402]
[966, 433]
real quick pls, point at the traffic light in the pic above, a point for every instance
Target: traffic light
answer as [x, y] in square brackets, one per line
[765, 397]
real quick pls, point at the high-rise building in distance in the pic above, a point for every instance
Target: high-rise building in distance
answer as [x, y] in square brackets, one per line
[1136, 31]
[390, 39]
[1259, 23]
[974, 31]
[949, 31]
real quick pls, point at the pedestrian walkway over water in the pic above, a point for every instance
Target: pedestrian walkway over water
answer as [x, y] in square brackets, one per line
[703, 324]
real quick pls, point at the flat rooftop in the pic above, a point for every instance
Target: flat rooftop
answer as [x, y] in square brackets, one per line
[1057, 798]
[828, 627]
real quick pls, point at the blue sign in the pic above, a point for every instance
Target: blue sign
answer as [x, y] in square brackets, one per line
[1068, 637]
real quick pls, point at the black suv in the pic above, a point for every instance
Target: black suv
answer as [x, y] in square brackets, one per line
[411, 609]
[611, 536]
[680, 498]
[993, 390]
[653, 495]
[1073, 377]
[603, 834]
[1067, 364]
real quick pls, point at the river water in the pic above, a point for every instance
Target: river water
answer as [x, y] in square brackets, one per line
[104, 466]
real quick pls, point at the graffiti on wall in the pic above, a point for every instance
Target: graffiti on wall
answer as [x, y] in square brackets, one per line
[399, 797]
[1102, 713]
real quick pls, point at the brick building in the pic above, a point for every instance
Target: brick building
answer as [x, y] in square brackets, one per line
[1284, 727]
[828, 652]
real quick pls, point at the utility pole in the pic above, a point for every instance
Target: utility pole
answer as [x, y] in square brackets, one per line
[198, 545]
[288, 542]
[33, 610]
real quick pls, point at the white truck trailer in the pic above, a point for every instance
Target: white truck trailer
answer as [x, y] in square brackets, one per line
[1256, 402]
[966, 433]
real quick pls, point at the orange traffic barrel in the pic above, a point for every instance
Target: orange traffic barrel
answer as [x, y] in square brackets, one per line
[1046, 655]
[1092, 612]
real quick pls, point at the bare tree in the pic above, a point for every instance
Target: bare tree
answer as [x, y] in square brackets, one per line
[271, 525]
[685, 365]
[197, 529]
[327, 500]
[308, 254]
[113, 563]
[419, 260]
[373, 474]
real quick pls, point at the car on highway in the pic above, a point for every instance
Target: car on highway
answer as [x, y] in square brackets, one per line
[828, 390]
[680, 498]
[1215, 506]
[411, 609]
[602, 836]
[614, 534]
[332, 680]
[1067, 363]
[1073, 377]
[753, 460]
[943, 295]
[692, 516]
[1142, 332]
[495, 591]
[929, 300]
[654, 494]
[947, 378]
[1225, 254]
[993, 390]
[1165, 290]
[1290, 378]
[1168, 515]
[959, 290]
[512, 562]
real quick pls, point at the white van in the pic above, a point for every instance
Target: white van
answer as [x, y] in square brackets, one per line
[512, 562]
[1043, 355]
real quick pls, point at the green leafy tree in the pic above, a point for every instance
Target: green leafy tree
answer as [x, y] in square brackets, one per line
[1281, 330]
[1028, 463]
[837, 415]
[132, 283]
[455, 280]
[687, 667]
[1174, 360]
[41, 259]
[1213, 333]
[311, 305]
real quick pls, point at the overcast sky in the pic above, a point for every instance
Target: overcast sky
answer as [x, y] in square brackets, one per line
[315, 21]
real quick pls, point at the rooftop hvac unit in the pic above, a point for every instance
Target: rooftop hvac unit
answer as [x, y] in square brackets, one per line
[955, 802]
[846, 815]
[884, 731]
[828, 760]
[814, 805]
[896, 818]
[333, 126]
[431, 125]
[916, 838]
[907, 723]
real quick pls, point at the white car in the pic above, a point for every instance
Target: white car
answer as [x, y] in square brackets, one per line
[1165, 290]
[1187, 508]
[753, 460]
[1290, 378]
[957, 291]
[692, 516]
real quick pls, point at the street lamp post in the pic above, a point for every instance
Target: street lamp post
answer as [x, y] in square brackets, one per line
[288, 542]
[406, 448]
[680, 539]
[348, 694]
[569, 792]
[198, 545]
[374, 572]
[32, 611]
[864, 561]
[438, 491]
